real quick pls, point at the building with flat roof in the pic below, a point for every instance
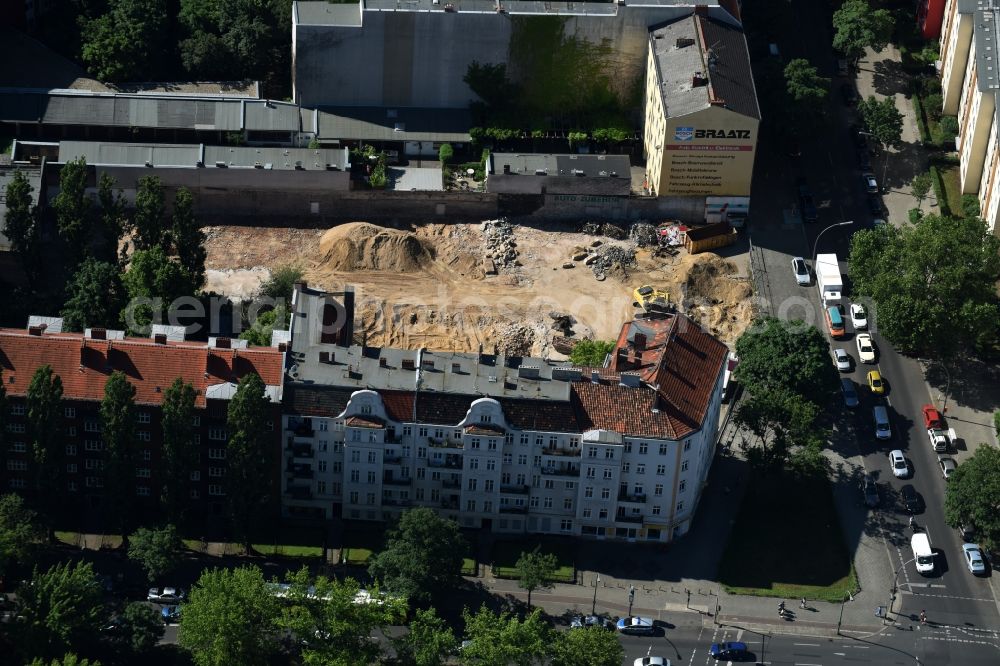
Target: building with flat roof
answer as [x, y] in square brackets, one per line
[85, 361]
[534, 173]
[969, 84]
[509, 444]
[701, 111]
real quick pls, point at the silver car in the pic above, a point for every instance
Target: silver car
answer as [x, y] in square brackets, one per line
[801, 270]
[973, 558]
[842, 359]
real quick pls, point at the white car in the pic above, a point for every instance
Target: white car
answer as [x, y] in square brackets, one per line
[842, 359]
[169, 595]
[899, 467]
[859, 318]
[973, 558]
[581, 621]
[801, 270]
[636, 625]
[651, 661]
[866, 348]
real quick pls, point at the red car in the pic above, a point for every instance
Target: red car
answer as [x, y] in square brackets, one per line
[932, 417]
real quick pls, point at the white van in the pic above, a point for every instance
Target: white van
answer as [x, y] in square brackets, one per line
[920, 543]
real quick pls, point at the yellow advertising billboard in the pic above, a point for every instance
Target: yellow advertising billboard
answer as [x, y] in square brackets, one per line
[710, 152]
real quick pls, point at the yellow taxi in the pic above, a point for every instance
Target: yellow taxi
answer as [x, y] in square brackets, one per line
[875, 382]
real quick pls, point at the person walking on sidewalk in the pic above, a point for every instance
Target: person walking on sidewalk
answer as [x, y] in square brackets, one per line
[923, 617]
[802, 604]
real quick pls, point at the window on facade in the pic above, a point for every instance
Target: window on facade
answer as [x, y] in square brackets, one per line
[488, 485]
[566, 525]
[15, 427]
[216, 490]
[355, 456]
[587, 513]
[216, 454]
[69, 412]
[142, 417]
[570, 485]
[533, 502]
[355, 476]
[372, 457]
[661, 470]
[524, 440]
[638, 489]
[640, 469]
[474, 443]
[549, 484]
[93, 464]
[488, 507]
[603, 515]
[473, 484]
[142, 472]
[323, 425]
[71, 486]
[520, 479]
[93, 445]
[17, 465]
[687, 445]
[568, 504]
[656, 509]
[371, 478]
[473, 463]
[491, 464]
[143, 436]
[18, 410]
[353, 497]
[196, 475]
[682, 486]
[142, 491]
[71, 468]
[591, 451]
[628, 447]
[371, 498]
[321, 487]
[607, 474]
[321, 465]
[591, 472]
[605, 493]
[588, 491]
[218, 434]
[609, 453]
[407, 431]
[71, 449]
[216, 472]
[643, 448]
[421, 472]
[663, 449]
[547, 503]
[680, 507]
[196, 421]
[684, 466]
[71, 431]
[470, 505]
[658, 490]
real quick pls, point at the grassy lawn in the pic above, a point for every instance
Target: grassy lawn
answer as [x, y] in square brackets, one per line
[288, 541]
[360, 543]
[68, 538]
[952, 189]
[506, 554]
[280, 550]
[469, 566]
[767, 554]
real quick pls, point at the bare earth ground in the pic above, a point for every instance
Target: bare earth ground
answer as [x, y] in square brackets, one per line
[424, 285]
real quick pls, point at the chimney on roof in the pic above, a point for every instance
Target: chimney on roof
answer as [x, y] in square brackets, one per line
[639, 340]
[324, 357]
[98, 334]
[701, 10]
[383, 362]
[595, 377]
[36, 330]
[282, 347]
[683, 42]
[630, 379]
[158, 338]
[222, 343]
[698, 80]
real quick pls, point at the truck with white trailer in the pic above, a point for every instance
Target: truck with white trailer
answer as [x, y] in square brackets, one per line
[828, 279]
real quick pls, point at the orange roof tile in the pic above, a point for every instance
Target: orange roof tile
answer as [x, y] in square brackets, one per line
[85, 364]
[362, 422]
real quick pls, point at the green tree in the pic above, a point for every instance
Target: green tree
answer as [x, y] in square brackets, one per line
[920, 186]
[780, 420]
[147, 219]
[857, 26]
[429, 641]
[422, 557]
[490, 83]
[883, 120]
[970, 205]
[113, 218]
[972, 496]
[535, 570]
[338, 626]
[118, 420]
[807, 87]
[282, 282]
[59, 609]
[140, 627]
[446, 153]
[248, 454]
[72, 208]
[776, 354]
[230, 618]
[68, 659]
[44, 428]
[127, 42]
[94, 296]
[591, 353]
[589, 646]
[940, 270]
[179, 451]
[20, 222]
[156, 550]
[20, 532]
[156, 281]
[502, 639]
[189, 239]
[260, 333]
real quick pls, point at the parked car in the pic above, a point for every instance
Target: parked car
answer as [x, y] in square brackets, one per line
[732, 651]
[651, 661]
[871, 184]
[948, 467]
[849, 94]
[966, 532]
[171, 614]
[875, 206]
[911, 499]
[864, 159]
[642, 626]
[859, 317]
[875, 382]
[974, 558]
[801, 270]
[850, 392]
[932, 417]
[169, 595]
[581, 621]
[842, 359]
[860, 140]
[870, 490]
[866, 348]
[900, 469]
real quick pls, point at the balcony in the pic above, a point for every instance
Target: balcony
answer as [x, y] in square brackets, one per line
[439, 443]
[300, 450]
[628, 519]
[561, 470]
[393, 481]
[397, 502]
[450, 462]
[516, 490]
[299, 492]
[451, 483]
[561, 453]
[637, 499]
[449, 504]
[513, 509]
[392, 459]
[300, 471]
[301, 428]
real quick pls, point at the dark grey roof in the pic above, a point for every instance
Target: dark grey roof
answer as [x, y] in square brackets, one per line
[986, 28]
[394, 124]
[731, 76]
[188, 155]
[566, 165]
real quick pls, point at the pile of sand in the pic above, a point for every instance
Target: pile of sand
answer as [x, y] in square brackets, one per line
[710, 280]
[359, 246]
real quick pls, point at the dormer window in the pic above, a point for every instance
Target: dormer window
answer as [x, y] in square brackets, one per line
[366, 409]
[487, 418]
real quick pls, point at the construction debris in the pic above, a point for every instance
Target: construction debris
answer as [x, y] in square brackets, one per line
[610, 257]
[644, 234]
[500, 244]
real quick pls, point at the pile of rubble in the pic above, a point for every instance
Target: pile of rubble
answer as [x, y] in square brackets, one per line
[515, 339]
[603, 229]
[500, 244]
[644, 234]
[610, 257]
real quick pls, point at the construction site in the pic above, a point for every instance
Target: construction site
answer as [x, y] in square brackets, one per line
[521, 289]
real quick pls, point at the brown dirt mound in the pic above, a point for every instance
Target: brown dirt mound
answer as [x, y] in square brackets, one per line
[710, 280]
[359, 246]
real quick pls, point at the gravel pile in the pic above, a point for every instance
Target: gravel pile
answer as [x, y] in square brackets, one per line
[500, 244]
[610, 257]
[515, 340]
[644, 234]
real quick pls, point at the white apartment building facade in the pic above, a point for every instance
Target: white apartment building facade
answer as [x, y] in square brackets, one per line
[513, 445]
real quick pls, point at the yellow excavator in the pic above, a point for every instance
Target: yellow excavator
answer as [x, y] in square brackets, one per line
[652, 301]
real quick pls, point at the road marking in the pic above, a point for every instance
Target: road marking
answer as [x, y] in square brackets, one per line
[806, 644]
[800, 663]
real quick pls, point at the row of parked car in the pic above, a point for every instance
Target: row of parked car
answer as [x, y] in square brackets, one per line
[646, 626]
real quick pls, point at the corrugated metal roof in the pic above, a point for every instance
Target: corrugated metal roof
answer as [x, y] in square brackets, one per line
[264, 115]
[130, 153]
[387, 124]
[188, 155]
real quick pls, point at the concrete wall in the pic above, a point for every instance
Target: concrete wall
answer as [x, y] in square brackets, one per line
[212, 178]
[405, 58]
[588, 207]
[532, 184]
[956, 42]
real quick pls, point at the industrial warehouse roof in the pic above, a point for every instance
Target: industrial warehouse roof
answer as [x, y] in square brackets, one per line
[987, 36]
[697, 47]
[190, 155]
[560, 165]
[394, 124]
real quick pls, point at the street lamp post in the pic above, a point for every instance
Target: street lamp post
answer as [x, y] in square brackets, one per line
[892, 592]
[593, 606]
[947, 388]
[816, 242]
[631, 598]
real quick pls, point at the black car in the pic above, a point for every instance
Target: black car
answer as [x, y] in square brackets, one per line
[864, 160]
[874, 205]
[849, 94]
[870, 490]
[911, 499]
[967, 533]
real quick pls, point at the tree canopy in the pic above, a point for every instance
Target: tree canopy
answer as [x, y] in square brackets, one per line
[147, 219]
[68, 659]
[504, 640]
[587, 646]
[806, 87]
[94, 296]
[126, 42]
[153, 282]
[20, 226]
[179, 451]
[429, 641]
[118, 422]
[230, 618]
[188, 238]
[20, 531]
[857, 26]
[247, 477]
[59, 609]
[591, 353]
[422, 557]
[535, 570]
[883, 119]
[45, 412]
[157, 550]
[72, 208]
[933, 283]
[140, 627]
[972, 496]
